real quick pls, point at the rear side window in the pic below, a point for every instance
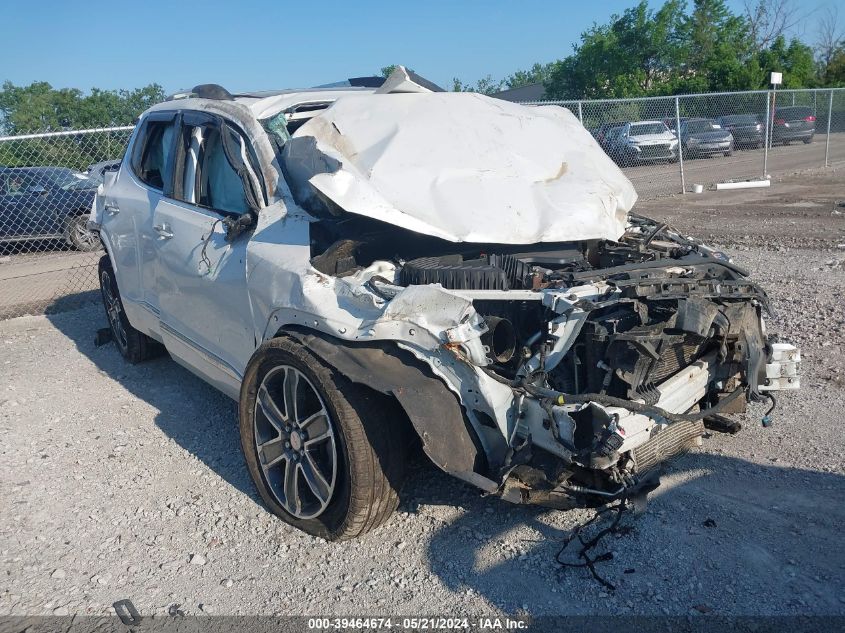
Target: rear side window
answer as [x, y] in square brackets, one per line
[151, 162]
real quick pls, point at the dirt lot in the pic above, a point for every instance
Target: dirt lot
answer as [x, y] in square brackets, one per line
[128, 482]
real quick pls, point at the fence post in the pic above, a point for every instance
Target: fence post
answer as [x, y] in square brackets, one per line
[766, 143]
[827, 137]
[680, 145]
[580, 113]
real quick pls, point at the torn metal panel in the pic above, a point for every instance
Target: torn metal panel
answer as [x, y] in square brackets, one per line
[404, 80]
[434, 411]
[462, 167]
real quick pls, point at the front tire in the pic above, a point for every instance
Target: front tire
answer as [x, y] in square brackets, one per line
[326, 454]
[133, 345]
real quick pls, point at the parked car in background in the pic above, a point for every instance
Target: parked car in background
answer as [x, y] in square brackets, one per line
[643, 141]
[746, 129]
[793, 123]
[96, 170]
[46, 203]
[672, 122]
[601, 133]
[705, 137]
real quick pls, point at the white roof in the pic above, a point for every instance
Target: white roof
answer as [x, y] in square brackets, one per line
[266, 105]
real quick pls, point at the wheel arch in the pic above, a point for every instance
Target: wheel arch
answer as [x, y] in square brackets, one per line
[433, 410]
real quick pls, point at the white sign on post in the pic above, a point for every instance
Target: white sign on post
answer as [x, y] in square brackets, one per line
[776, 79]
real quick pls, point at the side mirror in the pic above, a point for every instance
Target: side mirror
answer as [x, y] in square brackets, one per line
[236, 225]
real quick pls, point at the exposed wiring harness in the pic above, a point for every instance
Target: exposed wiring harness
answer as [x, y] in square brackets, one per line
[588, 561]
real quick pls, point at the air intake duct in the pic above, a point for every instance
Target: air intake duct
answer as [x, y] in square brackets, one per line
[488, 272]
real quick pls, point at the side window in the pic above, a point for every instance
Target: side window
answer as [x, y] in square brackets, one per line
[152, 159]
[215, 167]
[18, 184]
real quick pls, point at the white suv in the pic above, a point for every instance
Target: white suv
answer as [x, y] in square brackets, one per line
[369, 269]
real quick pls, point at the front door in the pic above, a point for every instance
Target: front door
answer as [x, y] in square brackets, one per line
[206, 320]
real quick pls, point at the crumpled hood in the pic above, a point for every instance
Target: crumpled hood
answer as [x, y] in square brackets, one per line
[460, 166]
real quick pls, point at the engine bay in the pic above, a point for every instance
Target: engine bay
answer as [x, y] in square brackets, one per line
[669, 304]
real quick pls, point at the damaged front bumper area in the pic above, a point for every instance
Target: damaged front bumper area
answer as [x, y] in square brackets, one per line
[577, 368]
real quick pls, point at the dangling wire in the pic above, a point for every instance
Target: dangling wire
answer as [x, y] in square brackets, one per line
[203, 256]
[587, 545]
[767, 418]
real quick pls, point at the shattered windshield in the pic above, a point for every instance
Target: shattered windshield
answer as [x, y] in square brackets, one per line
[277, 127]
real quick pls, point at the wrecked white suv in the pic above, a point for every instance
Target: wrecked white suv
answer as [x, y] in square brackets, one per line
[362, 267]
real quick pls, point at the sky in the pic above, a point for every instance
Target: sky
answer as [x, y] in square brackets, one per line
[270, 44]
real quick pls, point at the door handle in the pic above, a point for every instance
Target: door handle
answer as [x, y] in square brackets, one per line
[163, 231]
[111, 209]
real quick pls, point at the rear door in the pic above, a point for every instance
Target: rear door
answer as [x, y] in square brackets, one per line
[206, 320]
[144, 181]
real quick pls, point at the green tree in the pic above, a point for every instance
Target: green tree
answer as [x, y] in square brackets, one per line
[834, 71]
[631, 56]
[39, 107]
[795, 60]
[486, 85]
[538, 73]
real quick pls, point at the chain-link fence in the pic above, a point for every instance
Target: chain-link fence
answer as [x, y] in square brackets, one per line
[48, 257]
[666, 146]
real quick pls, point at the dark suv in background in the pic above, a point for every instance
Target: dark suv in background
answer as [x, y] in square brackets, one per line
[794, 123]
[46, 203]
[746, 130]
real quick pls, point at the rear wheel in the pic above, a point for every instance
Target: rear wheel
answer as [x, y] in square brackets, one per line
[326, 455]
[807, 141]
[80, 236]
[133, 345]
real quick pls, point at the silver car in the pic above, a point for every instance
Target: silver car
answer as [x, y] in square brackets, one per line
[370, 270]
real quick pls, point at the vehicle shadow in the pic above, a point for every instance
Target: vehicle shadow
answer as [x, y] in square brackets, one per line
[196, 416]
[721, 535]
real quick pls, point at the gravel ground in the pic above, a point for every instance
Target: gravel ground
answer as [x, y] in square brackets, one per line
[128, 482]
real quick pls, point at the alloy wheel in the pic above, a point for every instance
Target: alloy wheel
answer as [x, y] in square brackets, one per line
[84, 237]
[295, 442]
